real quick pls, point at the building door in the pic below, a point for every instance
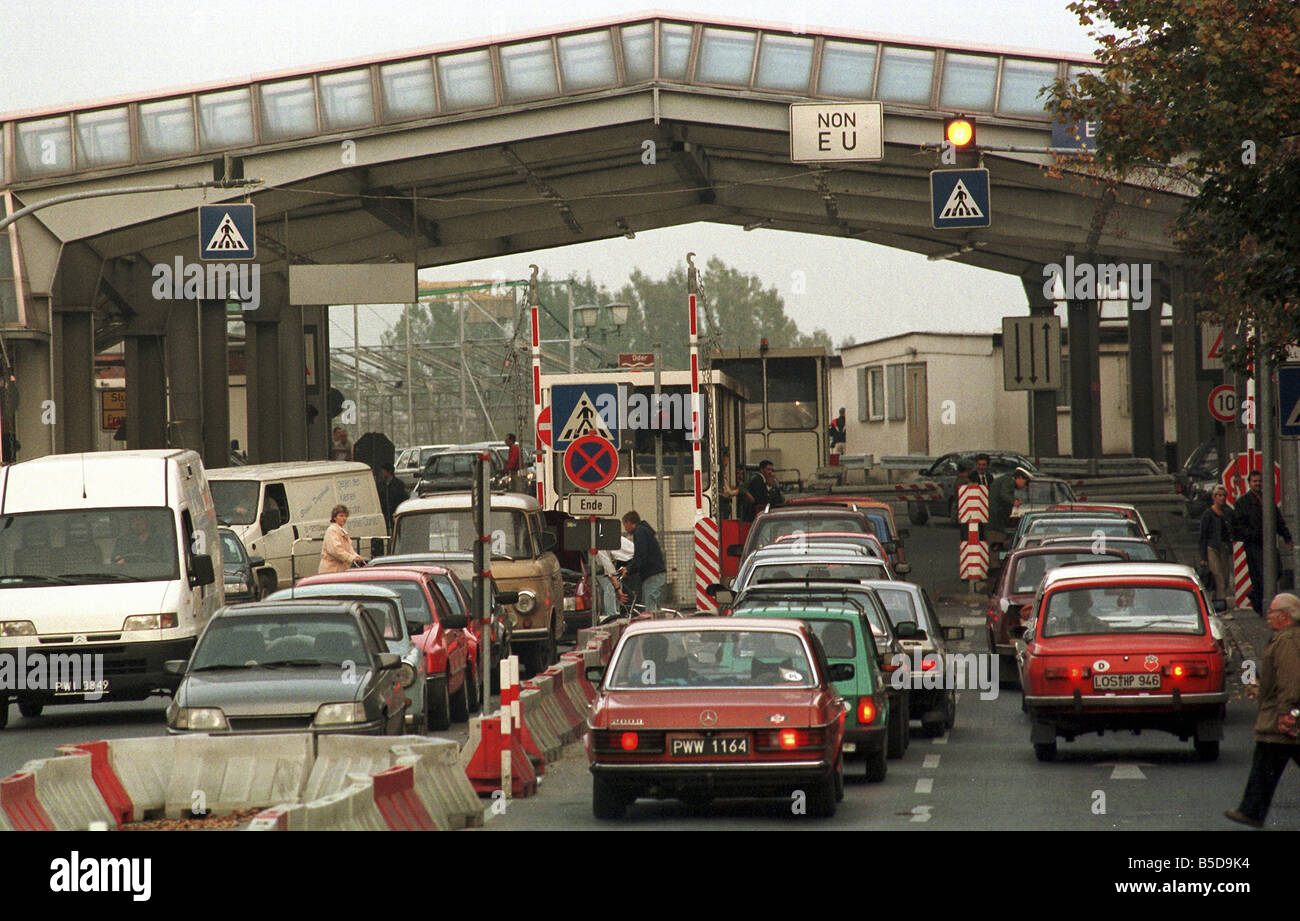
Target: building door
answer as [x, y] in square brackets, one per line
[918, 416]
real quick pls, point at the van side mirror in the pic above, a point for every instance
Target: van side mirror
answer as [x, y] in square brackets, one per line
[454, 621]
[721, 594]
[201, 571]
[595, 673]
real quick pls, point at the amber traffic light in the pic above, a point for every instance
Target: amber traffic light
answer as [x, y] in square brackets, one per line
[960, 132]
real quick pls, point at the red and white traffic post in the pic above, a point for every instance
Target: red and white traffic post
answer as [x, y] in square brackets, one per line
[534, 306]
[707, 550]
[973, 510]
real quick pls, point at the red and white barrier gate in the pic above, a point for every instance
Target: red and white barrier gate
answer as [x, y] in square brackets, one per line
[707, 563]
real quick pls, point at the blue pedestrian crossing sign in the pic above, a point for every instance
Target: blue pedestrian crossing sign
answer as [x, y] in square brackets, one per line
[578, 410]
[1288, 399]
[227, 232]
[959, 198]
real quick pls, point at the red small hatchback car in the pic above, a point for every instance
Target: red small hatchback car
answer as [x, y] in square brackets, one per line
[1122, 646]
[717, 706]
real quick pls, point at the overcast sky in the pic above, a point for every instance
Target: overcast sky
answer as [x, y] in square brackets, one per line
[63, 52]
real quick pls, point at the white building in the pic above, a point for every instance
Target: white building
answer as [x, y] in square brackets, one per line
[931, 393]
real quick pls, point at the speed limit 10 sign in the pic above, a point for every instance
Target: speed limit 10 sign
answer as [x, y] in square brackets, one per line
[1223, 403]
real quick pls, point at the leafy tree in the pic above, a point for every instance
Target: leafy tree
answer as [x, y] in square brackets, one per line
[1208, 92]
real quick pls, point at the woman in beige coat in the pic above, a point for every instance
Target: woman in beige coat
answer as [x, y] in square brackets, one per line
[337, 555]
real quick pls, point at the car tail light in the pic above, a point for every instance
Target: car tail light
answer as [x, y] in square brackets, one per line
[928, 664]
[789, 740]
[866, 711]
[1074, 672]
[620, 741]
[1186, 669]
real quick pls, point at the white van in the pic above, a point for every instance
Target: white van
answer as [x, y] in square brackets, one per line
[107, 566]
[281, 511]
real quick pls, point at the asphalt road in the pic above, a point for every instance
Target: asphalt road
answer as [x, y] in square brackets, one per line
[982, 775]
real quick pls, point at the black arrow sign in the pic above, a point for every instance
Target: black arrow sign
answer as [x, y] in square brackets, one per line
[1016, 327]
[1033, 362]
[1047, 351]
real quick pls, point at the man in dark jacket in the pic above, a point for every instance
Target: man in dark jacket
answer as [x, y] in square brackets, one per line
[647, 563]
[761, 491]
[392, 493]
[1248, 527]
[1279, 698]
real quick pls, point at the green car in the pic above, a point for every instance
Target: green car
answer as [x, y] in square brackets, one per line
[845, 635]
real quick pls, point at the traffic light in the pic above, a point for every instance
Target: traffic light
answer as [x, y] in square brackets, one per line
[959, 132]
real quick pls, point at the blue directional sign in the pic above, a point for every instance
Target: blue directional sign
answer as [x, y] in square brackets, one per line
[959, 198]
[1288, 398]
[578, 410]
[227, 232]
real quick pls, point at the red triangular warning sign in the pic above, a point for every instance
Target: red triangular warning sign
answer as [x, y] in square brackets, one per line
[1216, 350]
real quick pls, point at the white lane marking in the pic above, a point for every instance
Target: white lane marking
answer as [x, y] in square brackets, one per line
[921, 813]
[1126, 771]
[941, 740]
[971, 621]
[931, 761]
[924, 785]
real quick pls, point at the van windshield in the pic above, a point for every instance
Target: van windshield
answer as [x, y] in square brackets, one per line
[235, 500]
[453, 529]
[87, 546]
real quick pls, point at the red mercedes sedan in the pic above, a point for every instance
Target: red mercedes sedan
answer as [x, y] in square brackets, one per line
[717, 706]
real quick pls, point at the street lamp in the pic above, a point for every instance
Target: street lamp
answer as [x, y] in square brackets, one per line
[588, 316]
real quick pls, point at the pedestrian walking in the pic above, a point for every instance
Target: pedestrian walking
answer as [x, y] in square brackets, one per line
[392, 493]
[1248, 527]
[513, 463]
[1278, 692]
[342, 447]
[647, 563]
[336, 553]
[1215, 543]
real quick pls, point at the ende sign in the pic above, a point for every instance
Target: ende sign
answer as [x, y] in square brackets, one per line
[836, 131]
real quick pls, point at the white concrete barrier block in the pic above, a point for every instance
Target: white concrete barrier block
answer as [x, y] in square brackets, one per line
[144, 766]
[441, 783]
[225, 773]
[65, 788]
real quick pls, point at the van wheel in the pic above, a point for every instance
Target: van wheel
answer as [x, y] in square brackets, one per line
[29, 710]
[1045, 751]
[459, 702]
[438, 706]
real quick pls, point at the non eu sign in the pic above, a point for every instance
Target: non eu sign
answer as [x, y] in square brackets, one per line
[544, 427]
[600, 504]
[591, 462]
[843, 131]
[636, 361]
[112, 409]
[1235, 475]
[582, 409]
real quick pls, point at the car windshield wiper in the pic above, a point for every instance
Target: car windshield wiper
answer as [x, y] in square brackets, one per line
[224, 666]
[104, 576]
[35, 577]
[301, 663]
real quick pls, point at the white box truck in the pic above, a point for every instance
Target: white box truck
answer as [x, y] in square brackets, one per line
[107, 570]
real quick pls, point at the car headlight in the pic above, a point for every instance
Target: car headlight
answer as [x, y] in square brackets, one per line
[17, 628]
[149, 622]
[202, 719]
[340, 714]
[405, 674]
[527, 601]
[238, 585]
